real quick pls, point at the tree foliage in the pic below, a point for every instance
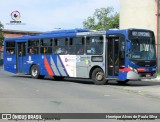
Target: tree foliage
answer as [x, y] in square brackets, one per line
[1, 34]
[102, 19]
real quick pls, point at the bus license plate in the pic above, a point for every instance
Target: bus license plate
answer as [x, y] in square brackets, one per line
[148, 75]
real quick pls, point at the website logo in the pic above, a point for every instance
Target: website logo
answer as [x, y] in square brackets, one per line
[6, 116]
[16, 18]
[15, 15]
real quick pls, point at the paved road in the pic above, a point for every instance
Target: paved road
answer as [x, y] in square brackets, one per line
[22, 94]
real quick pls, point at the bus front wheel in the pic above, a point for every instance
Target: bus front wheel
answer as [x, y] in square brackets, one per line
[35, 72]
[98, 77]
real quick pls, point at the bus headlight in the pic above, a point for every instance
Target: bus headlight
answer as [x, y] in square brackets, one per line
[133, 69]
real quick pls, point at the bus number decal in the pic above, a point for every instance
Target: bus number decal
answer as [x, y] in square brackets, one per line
[9, 59]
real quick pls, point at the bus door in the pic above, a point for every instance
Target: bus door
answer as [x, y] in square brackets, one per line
[20, 54]
[112, 57]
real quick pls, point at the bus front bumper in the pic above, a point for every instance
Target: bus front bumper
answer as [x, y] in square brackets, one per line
[145, 75]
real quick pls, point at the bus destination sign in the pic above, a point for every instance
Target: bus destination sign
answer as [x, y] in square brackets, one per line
[140, 33]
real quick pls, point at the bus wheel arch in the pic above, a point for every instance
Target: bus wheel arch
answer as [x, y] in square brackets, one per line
[97, 75]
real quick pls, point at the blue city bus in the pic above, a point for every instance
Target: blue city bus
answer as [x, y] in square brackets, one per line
[120, 55]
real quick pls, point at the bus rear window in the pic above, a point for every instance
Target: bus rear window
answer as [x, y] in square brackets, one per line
[10, 48]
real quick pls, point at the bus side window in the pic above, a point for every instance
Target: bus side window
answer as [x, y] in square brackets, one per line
[54, 45]
[46, 46]
[76, 46]
[94, 45]
[71, 48]
[79, 44]
[33, 46]
[62, 46]
[10, 48]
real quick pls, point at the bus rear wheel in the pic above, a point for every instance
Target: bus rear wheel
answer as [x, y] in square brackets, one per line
[35, 72]
[98, 77]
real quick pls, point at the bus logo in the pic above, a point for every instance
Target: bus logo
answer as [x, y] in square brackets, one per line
[29, 60]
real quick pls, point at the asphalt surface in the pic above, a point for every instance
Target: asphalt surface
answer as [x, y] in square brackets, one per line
[22, 94]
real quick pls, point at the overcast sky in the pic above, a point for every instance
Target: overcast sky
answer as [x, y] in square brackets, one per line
[46, 15]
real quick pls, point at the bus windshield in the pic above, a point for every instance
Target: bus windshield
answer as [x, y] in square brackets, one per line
[142, 49]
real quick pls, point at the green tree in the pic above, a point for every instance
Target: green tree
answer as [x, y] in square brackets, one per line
[102, 18]
[1, 34]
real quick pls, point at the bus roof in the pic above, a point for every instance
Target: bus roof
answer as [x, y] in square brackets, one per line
[71, 33]
[51, 34]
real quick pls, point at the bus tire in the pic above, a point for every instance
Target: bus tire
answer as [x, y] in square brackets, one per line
[35, 72]
[122, 82]
[58, 78]
[98, 77]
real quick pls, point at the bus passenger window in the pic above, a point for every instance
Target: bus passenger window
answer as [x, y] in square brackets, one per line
[10, 48]
[94, 45]
[61, 46]
[46, 46]
[76, 46]
[33, 46]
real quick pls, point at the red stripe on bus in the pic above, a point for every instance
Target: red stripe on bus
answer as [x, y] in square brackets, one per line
[125, 70]
[141, 69]
[47, 66]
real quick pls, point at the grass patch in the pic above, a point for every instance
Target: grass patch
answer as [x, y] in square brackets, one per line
[158, 74]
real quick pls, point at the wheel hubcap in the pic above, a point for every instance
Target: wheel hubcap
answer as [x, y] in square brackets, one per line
[99, 76]
[34, 72]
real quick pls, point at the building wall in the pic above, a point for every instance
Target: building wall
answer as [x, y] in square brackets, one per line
[158, 35]
[138, 14]
[7, 35]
